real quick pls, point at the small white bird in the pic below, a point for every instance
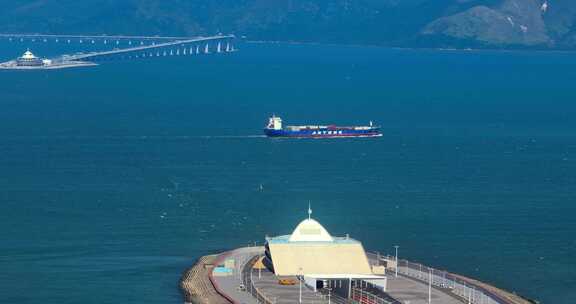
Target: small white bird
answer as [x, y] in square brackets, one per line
[544, 7]
[510, 20]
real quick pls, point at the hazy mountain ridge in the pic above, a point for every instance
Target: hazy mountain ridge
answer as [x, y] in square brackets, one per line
[513, 22]
[427, 23]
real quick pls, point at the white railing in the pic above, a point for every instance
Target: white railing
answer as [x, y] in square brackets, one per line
[468, 291]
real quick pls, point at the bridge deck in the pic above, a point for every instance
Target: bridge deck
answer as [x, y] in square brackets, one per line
[112, 37]
[146, 47]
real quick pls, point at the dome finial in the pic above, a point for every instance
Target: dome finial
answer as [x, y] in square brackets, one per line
[309, 211]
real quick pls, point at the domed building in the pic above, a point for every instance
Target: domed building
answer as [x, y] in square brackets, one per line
[321, 260]
[310, 249]
[28, 59]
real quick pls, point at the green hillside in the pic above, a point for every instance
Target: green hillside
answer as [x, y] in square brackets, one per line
[410, 23]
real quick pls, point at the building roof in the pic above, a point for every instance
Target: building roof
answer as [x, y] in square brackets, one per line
[28, 55]
[310, 249]
[309, 230]
[295, 258]
[284, 239]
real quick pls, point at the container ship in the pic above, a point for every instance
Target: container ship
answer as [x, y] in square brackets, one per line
[275, 129]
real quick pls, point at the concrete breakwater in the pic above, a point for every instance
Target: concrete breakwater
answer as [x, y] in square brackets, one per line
[196, 286]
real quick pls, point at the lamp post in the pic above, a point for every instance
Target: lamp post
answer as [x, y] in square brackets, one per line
[396, 247]
[260, 268]
[300, 288]
[429, 286]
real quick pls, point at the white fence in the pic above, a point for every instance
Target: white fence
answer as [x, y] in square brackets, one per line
[469, 292]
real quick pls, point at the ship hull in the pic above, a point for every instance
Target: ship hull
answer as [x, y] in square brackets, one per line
[323, 133]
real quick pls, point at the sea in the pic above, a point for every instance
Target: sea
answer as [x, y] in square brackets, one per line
[114, 179]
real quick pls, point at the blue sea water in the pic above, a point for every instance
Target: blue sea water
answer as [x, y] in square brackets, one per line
[114, 179]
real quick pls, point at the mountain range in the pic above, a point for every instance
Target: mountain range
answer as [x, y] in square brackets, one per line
[541, 24]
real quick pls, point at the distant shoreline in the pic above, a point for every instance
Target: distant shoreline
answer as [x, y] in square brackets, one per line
[447, 49]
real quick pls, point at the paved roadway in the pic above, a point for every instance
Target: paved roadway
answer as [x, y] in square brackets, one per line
[230, 284]
[285, 294]
[408, 291]
[405, 290]
[265, 281]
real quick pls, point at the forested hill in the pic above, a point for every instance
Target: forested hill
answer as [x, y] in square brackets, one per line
[409, 23]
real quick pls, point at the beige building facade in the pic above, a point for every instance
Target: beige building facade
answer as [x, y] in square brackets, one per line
[311, 250]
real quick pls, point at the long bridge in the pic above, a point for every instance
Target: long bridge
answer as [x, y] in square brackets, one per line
[204, 45]
[93, 39]
[124, 47]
